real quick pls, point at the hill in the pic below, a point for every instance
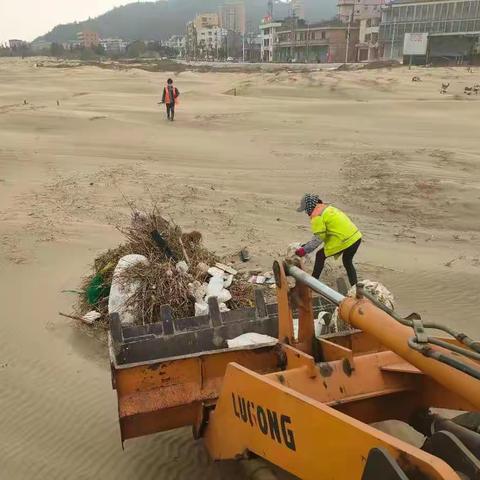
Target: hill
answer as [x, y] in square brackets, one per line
[159, 20]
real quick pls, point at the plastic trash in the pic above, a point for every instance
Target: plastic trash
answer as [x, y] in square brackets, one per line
[227, 283]
[202, 267]
[224, 296]
[379, 291]
[182, 267]
[121, 293]
[216, 272]
[251, 338]
[197, 290]
[292, 248]
[201, 308]
[97, 289]
[215, 286]
[318, 323]
[91, 317]
[223, 308]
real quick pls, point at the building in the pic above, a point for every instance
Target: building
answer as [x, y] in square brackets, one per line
[177, 43]
[324, 42]
[298, 9]
[206, 20]
[88, 39]
[191, 41]
[453, 27]
[368, 47]
[268, 37]
[209, 41]
[114, 45]
[355, 10]
[366, 14]
[38, 46]
[232, 17]
[16, 44]
[253, 47]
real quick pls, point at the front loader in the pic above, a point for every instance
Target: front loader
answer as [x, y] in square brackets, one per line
[305, 404]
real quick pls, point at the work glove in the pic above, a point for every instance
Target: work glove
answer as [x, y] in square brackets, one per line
[300, 252]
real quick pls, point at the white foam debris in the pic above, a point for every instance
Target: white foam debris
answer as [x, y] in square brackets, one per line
[251, 338]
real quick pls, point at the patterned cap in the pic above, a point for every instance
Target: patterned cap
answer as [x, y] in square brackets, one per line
[308, 203]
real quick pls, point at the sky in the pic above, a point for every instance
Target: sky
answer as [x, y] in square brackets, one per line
[28, 19]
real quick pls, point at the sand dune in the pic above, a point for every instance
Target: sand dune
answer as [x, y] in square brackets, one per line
[401, 158]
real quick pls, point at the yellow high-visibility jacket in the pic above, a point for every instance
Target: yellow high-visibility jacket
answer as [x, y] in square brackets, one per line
[334, 228]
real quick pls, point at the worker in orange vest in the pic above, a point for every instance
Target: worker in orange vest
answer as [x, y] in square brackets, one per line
[170, 99]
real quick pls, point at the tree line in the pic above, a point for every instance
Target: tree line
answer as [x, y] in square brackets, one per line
[134, 49]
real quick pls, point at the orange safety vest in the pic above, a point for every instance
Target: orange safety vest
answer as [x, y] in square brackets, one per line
[167, 95]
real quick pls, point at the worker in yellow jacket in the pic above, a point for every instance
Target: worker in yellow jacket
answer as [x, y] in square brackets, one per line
[335, 230]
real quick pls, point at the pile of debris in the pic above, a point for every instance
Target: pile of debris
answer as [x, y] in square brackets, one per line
[159, 265]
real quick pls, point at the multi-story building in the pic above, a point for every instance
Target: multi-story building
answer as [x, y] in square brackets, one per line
[232, 17]
[268, 37]
[368, 47]
[298, 8]
[323, 42]
[253, 47]
[453, 26]
[88, 39]
[294, 40]
[177, 43]
[353, 10]
[113, 45]
[210, 40]
[191, 41]
[205, 20]
[17, 44]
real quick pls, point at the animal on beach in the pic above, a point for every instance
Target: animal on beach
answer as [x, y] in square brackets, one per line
[444, 87]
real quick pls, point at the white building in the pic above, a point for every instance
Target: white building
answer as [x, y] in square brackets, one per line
[268, 37]
[210, 40]
[177, 42]
[113, 45]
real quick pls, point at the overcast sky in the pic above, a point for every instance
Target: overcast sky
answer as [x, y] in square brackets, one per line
[27, 19]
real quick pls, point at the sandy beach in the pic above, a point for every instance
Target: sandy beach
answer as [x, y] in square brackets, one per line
[399, 157]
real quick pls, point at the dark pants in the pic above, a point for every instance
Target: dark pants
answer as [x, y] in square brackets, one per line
[170, 111]
[347, 258]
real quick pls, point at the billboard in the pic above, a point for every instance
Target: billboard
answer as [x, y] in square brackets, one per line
[415, 44]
